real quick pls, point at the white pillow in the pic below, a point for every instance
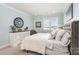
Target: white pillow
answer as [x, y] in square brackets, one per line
[53, 33]
[60, 34]
[65, 39]
[50, 37]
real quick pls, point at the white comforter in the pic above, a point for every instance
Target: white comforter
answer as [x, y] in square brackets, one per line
[37, 42]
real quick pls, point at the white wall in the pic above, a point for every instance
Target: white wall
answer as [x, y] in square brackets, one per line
[41, 18]
[7, 16]
[76, 11]
[38, 18]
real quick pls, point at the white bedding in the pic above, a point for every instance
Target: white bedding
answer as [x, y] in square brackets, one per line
[37, 42]
[40, 41]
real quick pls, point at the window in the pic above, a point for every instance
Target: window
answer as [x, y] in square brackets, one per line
[54, 21]
[50, 22]
[46, 24]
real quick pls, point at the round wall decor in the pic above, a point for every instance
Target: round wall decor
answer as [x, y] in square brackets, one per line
[18, 22]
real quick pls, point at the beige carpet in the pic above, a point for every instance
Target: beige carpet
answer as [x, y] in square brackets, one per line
[16, 51]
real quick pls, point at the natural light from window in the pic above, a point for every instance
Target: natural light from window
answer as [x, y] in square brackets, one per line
[50, 22]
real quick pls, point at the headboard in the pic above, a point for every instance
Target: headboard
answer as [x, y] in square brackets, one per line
[67, 27]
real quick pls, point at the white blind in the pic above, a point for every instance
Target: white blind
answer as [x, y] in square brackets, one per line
[46, 23]
[50, 22]
[54, 21]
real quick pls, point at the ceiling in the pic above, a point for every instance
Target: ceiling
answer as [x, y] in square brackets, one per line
[39, 8]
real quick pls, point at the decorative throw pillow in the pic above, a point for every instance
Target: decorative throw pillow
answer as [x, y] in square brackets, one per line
[66, 38]
[53, 33]
[60, 34]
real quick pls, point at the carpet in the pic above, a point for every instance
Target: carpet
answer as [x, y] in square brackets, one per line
[16, 51]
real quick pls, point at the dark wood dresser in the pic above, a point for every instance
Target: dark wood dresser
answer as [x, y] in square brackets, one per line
[75, 38]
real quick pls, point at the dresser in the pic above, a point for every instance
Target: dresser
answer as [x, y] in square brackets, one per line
[75, 38]
[17, 37]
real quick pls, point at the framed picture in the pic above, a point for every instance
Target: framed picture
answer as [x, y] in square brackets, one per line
[38, 24]
[69, 13]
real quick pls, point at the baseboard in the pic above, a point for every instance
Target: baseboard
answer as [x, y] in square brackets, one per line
[4, 46]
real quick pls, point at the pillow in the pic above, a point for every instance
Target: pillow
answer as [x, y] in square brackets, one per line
[60, 34]
[53, 33]
[50, 37]
[65, 39]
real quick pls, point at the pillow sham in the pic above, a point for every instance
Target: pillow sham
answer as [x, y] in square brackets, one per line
[60, 34]
[65, 39]
[53, 33]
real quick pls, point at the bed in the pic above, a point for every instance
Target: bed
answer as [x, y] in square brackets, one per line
[36, 42]
[42, 43]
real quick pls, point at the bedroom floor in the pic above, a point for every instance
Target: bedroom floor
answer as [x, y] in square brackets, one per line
[15, 51]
